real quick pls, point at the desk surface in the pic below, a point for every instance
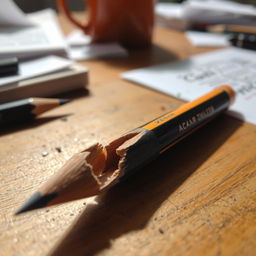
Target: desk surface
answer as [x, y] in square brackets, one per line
[196, 199]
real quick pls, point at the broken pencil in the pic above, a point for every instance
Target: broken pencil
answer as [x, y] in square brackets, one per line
[99, 167]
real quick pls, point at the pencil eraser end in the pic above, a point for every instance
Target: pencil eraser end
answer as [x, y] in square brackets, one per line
[230, 91]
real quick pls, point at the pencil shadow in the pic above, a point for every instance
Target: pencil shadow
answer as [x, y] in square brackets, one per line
[138, 58]
[75, 94]
[30, 124]
[131, 204]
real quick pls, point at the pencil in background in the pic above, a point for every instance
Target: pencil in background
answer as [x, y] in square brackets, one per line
[24, 110]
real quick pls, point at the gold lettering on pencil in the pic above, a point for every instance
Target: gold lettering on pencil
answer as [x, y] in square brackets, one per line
[205, 113]
[196, 118]
[163, 118]
[184, 125]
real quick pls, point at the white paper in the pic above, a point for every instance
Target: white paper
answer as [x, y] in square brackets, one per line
[201, 73]
[171, 15]
[221, 6]
[12, 16]
[48, 22]
[43, 38]
[207, 39]
[37, 67]
[78, 38]
[169, 10]
[81, 48]
[93, 51]
[219, 12]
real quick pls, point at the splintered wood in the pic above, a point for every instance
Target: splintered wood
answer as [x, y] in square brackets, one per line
[91, 171]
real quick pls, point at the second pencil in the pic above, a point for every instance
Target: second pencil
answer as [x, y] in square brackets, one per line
[24, 110]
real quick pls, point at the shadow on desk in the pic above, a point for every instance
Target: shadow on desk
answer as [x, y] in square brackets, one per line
[75, 94]
[130, 205]
[30, 124]
[38, 121]
[144, 57]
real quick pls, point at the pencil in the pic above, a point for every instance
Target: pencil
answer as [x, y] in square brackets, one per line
[99, 167]
[24, 110]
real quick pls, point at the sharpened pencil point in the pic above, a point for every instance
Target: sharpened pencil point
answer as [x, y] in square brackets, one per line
[35, 202]
[64, 101]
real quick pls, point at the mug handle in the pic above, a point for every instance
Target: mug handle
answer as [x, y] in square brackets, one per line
[62, 5]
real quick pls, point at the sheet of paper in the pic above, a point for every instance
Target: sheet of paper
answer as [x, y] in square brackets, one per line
[48, 22]
[37, 67]
[201, 73]
[169, 10]
[93, 51]
[81, 48]
[219, 12]
[78, 38]
[171, 15]
[45, 37]
[207, 39]
[12, 16]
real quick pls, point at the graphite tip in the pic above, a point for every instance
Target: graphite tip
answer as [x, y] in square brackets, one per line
[64, 101]
[35, 202]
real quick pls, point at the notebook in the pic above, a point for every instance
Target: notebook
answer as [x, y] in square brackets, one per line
[72, 78]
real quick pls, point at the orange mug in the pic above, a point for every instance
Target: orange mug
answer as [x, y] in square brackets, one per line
[129, 22]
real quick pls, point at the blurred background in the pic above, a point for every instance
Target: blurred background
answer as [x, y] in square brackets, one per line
[77, 5]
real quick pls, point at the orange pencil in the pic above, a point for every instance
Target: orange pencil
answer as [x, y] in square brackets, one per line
[99, 167]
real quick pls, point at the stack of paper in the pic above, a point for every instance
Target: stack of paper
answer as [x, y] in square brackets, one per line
[201, 73]
[42, 77]
[205, 39]
[36, 67]
[37, 35]
[33, 38]
[81, 48]
[171, 15]
[219, 12]
[12, 16]
[194, 12]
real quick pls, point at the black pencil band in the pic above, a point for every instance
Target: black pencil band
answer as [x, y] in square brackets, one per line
[16, 111]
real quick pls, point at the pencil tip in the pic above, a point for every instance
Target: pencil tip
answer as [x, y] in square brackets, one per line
[64, 101]
[35, 202]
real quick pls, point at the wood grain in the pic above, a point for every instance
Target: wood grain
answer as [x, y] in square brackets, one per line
[196, 199]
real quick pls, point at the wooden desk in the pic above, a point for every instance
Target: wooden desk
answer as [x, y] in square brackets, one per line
[196, 199]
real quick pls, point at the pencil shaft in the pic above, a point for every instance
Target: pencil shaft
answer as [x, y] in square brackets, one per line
[179, 123]
[162, 133]
[99, 167]
[16, 112]
[26, 109]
